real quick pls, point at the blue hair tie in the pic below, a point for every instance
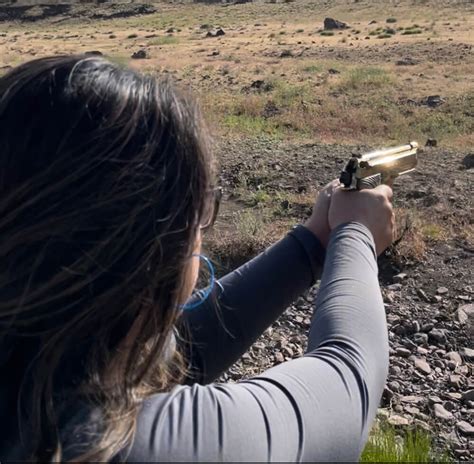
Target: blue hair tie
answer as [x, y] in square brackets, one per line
[203, 295]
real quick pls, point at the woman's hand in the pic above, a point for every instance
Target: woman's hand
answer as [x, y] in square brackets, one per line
[370, 207]
[318, 222]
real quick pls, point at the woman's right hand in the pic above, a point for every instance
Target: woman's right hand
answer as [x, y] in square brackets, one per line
[370, 207]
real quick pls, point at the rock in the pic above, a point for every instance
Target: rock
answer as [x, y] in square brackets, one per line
[279, 358]
[465, 428]
[219, 32]
[442, 291]
[433, 101]
[330, 24]
[261, 86]
[441, 413]
[397, 420]
[434, 399]
[468, 161]
[413, 399]
[455, 381]
[467, 354]
[407, 61]
[403, 352]
[454, 396]
[468, 396]
[394, 287]
[420, 338]
[437, 335]
[454, 356]
[422, 294]
[431, 143]
[394, 386]
[422, 366]
[139, 55]
[286, 54]
[427, 327]
[399, 277]
[449, 406]
[395, 370]
[465, 313]
[94, 53]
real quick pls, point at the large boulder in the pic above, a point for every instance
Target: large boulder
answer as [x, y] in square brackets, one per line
[330, 23]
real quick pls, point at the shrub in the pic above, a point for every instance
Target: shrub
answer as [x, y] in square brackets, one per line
[391, 20]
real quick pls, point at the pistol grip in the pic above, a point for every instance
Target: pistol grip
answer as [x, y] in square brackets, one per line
[369, 182]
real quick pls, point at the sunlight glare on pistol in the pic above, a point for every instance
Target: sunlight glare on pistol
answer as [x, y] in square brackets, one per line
[379, 167]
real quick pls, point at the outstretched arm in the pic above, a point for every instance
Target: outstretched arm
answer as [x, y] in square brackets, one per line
[247, 301]
[315, 408]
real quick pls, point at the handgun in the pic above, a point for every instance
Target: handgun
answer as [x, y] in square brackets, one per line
[379, 167]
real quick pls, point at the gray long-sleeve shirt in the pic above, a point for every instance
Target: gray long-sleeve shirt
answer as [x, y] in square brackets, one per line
[315, 408]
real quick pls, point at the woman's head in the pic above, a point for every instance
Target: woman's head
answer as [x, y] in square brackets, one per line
[105, 179]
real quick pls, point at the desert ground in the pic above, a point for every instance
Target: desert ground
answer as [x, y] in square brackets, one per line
[287, 101]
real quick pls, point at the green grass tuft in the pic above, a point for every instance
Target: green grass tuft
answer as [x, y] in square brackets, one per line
[326, 33]
[412, 445]
[391, 20]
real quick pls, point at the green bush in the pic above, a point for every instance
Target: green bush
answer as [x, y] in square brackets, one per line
[327, 33]
[391, 20]
[411, 31]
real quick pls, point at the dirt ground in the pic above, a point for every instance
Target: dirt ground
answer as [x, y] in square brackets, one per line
[287, 104]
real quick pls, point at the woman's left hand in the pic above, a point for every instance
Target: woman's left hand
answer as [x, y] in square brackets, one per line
[318, 221]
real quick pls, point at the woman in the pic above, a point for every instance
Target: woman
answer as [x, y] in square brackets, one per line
[105, 188]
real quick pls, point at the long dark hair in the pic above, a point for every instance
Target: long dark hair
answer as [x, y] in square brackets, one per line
[104, 175]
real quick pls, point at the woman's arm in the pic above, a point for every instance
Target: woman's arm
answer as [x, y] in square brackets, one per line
[315, 408]
[246, 301]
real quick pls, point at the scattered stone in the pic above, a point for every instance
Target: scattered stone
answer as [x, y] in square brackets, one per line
[468, 161]
[411, 399]
[434, 399]
[468, 396]
[219, 32]
[467, 354]
[437, 335]
[403, 352]
[465, 313]
[395, 287]
[433, 101]
[397, 420]
[286, 54]
[441, 413]
[407, 61]
[454, 356]
[330, 24]
[422, 294]
[420, 338]
[442, 291]
[394, 386]
[279, 358]
[449, 406]
[427, 327]
[465, 428]
[422, 366]
[399, 277]
[431, 143]
[139, 55]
